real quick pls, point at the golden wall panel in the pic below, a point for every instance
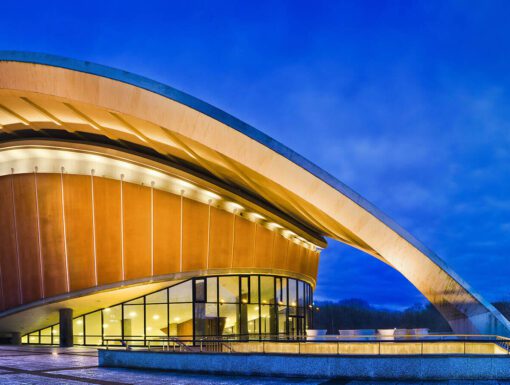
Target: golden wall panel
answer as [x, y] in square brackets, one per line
[8, 255]
[264, 240]
[221, 239]
[303, 262]
[49, 198]
[293, 256]
[314, 269]
[79, 231]
[244, 242]
[108, 230]
[74, 223]
[136, 230]
[280, 251]
[194, 235]
[28, 236]
[167, 232]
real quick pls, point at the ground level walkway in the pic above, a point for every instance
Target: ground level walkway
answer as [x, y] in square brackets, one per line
[49, 365]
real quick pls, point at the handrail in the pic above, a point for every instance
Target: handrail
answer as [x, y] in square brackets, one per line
[222, 344]
[323, 338]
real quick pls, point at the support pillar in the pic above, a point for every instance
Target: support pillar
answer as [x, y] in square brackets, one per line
[66, 328]
[15, 338]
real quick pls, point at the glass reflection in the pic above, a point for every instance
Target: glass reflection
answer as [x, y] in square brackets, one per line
[181, 320]
[229, 289]
[242, 307]
[93, 328]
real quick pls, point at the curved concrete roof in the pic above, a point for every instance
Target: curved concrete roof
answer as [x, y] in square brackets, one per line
[376, 233]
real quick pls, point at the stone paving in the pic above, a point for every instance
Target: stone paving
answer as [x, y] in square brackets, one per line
[56, 366]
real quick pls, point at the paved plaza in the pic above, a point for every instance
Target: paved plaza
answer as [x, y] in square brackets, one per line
[52, 365]
[48, 365]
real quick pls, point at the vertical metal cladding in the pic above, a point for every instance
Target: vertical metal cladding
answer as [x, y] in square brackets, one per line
[64, 233]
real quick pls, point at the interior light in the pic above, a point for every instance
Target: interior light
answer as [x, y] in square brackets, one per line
[257, 216]
[293, 304]
[79, 322]
[107, 310]
[287, 233]
[177, 319]
[105, 326]
[212, 195]
[245, 301]
[53, 331]
[132, 314]
[185, 184]
[235, 206]
[155, 317]
[149, 328]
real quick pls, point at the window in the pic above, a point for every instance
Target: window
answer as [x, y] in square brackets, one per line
[200, 290]
[229, 289]
[46, 336]
[267, 290]
[157, 297]
[212, 289]
[254, 289]
[240, 306]
[93, 332]
[133, 323]
[78, 336]
[181, 320]
[156, 321]
[181, 292]
[112, 322]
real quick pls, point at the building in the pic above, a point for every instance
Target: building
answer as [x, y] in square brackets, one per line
[137, 211]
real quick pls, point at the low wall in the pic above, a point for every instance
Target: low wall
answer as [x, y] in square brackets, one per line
[325, 366]
[370, 347]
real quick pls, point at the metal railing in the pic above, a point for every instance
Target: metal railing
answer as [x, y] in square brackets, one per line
[331, 344]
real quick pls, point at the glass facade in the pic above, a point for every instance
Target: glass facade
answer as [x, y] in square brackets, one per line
[239, 306]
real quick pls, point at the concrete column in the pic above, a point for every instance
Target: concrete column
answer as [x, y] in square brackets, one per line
[66, 328]
[15, 338]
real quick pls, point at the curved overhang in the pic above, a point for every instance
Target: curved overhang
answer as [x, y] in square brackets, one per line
[42, 96]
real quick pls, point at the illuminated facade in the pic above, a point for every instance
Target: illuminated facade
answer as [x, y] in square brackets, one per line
[249, 306]
[114, 187]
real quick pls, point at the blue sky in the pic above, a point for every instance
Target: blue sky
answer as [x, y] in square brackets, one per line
[405, 101]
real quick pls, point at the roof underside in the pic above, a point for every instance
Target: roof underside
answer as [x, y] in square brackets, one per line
[26, 115]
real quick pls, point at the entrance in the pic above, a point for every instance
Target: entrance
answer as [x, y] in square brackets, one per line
[296, 325]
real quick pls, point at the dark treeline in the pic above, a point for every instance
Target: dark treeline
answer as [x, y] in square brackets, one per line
[358, 314]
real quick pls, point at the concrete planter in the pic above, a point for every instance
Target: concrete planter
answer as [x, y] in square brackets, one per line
[386, 334]
[363, 367]
[315, 334]
[357, 332]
